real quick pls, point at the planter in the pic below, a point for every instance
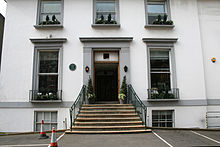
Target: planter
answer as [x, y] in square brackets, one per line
[121, 101]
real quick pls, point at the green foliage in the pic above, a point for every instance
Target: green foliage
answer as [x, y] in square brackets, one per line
[90, 92]
[102, 20]
[162, 93]
[163, 21]
[48, 22]
[46, 96]
[124, 89]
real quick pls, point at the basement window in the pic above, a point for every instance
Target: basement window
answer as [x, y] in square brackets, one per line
[162, 118]
[49, 118]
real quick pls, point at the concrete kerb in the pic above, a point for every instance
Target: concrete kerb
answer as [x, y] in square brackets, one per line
[26, 133]
[189, 129]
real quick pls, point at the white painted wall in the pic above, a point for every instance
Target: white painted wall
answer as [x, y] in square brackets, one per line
[191, 51]
[22, 120]
[18, 50]
[209, 18]
[184, 117]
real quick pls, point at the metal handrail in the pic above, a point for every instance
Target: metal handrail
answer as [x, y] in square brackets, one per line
[140, 107]
[75, 108]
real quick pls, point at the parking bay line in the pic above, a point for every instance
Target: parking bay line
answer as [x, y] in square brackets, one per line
[162, 139]
[206, 137]
[23, 145]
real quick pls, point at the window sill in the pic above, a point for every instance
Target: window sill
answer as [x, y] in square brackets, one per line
[106, 25]
[162, 100]
[47, 26]
[46, 101]
[159, 26]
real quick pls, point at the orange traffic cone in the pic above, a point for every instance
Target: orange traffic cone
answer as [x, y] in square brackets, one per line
[53, 139]
[42, 132]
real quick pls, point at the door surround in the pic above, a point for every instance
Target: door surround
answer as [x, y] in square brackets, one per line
[120, 44]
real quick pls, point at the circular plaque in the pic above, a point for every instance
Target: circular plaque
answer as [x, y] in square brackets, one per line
[72, 67]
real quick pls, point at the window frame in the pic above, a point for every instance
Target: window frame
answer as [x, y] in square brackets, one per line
[39, 14]
[117, 16]
[50, 123]
[167, 11]
[170, 110]
[173, 83]
[37, 65]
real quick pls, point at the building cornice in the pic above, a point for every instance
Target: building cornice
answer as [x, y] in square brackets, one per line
[105, 39]
[160, 40]
[48, 40]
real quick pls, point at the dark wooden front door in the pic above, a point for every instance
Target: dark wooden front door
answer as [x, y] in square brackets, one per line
[106, 82]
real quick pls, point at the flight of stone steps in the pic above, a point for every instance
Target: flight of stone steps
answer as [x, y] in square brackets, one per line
[108, 118]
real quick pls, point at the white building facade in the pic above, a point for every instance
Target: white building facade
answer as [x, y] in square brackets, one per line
[52, 47]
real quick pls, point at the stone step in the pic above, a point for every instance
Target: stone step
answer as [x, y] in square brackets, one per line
[109, 132]
[107, 115]
[108, 108]
[106, 111]
[107, 128]
[106, 105]
[126, 123]
[80, 119]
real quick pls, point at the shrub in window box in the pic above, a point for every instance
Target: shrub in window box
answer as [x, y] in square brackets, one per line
[164, 21]
[46, 96]
[48, 21]
[102, 20]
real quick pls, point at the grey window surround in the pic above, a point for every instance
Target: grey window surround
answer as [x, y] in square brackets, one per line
[47, 45]
[168, 11]
[37, 26]
[117, 16]
[162, 44]
[43, 112]
[163, 110]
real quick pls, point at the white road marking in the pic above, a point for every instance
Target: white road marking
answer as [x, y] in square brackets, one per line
[162, 139]
[206, 137]
[60, 136]
[23, 145]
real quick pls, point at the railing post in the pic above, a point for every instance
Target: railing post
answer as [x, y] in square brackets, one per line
[145, 117]
[71, 119]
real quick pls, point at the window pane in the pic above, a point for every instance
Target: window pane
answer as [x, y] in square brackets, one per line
[105, 6]
[39, 116]
[54, 125]
[51, 6]
[159, 60]
[105, 15]
[155, 8]
[47, 127]
[162, 120]
[46, 116]
[48, 62]
[53, 116]
[48, 83]
[38, 126]
[160, 80]
[43, 17]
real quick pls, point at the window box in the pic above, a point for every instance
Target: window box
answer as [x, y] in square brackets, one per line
[159, 26]
[50, 13]
[106, 13]
[48, 26]
[106, 25]
[156, 94]
[39, 96]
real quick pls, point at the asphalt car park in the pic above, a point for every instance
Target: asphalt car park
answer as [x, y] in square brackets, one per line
[158, 138]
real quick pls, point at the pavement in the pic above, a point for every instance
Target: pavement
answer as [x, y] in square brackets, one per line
[158, 138]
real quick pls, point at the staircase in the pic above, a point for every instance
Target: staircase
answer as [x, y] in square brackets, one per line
[107, 118]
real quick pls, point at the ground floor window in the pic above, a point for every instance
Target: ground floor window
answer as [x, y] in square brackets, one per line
[162, 118]
[49, 118]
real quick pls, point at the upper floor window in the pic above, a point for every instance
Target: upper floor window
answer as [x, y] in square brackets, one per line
[158, 12]
[106, 12]
[50, 12]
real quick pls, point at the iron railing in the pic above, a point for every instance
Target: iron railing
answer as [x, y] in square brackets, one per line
[35, 95]
[164, 94]
[140, 107]
[75, 108]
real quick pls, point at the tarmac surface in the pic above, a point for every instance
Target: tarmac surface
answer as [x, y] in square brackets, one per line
[158, 138]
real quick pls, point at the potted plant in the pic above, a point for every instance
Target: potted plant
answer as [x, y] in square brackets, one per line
[164, 21]
[90, 93]
[102, 20]
[123, 92]
[48, 21]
